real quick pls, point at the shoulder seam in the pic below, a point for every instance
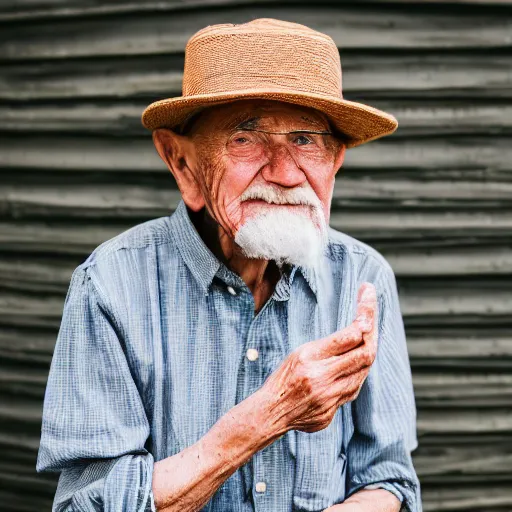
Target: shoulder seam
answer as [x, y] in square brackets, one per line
[116, 243]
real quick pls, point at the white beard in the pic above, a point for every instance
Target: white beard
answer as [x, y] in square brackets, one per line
[281, 235]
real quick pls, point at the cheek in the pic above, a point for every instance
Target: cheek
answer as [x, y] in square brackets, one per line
[237, 177]
[322, 182]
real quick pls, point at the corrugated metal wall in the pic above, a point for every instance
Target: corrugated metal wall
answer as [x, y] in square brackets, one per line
[77, 168]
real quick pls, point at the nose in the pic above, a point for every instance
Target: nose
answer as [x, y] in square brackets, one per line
[282, 169]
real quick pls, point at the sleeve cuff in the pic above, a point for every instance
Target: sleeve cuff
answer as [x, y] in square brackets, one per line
[406, 492]
[124, 483]
[388, 487]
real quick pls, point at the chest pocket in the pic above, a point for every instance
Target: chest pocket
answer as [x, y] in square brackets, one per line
[320, 464]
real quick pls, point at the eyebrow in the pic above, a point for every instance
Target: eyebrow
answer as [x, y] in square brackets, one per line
[249, 124]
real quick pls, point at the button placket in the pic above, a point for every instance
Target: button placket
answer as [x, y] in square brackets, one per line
[243, 304]
[253, 371]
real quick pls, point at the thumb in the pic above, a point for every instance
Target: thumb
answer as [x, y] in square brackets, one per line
[366, 307]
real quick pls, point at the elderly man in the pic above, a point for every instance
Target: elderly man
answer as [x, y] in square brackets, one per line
[239, 354]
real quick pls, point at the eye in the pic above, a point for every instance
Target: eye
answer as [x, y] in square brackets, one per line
[242, 139]
[302, 140]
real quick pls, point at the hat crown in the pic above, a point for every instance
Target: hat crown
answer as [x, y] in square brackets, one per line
[267, 59]
[262, 54]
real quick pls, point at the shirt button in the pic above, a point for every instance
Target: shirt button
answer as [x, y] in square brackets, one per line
[252, 354]
[261, 487]
[231, 290]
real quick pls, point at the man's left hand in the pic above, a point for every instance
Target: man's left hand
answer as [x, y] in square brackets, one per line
[368, 500]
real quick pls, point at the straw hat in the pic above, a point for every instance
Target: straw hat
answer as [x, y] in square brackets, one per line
[268, 59]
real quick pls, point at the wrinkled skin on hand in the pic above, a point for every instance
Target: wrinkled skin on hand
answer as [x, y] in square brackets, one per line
[321, 375]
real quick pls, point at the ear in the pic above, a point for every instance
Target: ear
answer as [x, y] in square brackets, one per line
[177, 151]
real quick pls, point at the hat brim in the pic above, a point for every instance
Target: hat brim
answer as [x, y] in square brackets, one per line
[357, 122]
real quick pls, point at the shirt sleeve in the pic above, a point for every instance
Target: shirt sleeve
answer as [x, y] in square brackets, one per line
[94, 427]
[384, 413]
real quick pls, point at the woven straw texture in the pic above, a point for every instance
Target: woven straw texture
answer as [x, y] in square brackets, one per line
[268, 59]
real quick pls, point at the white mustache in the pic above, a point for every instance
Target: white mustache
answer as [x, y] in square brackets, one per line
[299, 195]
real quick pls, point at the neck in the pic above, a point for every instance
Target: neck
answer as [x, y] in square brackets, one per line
[260, 276]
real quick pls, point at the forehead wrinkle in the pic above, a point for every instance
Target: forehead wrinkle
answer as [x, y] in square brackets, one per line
[314, 121]
[248, 119]
[317, 122]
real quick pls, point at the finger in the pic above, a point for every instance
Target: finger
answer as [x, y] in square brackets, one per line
[339, 342]
[352, 362]
[366, 307]
[347, 387]
[351, 336]
[370, 338]
[369, 304]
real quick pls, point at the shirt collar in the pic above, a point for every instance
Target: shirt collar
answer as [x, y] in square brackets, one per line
[310, 275]
[204, 265]
[199, 259]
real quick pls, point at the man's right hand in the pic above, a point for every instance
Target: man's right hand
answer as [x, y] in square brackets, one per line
[302, 394]
[321, 375]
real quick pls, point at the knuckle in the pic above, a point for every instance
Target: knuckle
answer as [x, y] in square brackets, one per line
[355, 330]
[354, 385]
[366, 359]
[326, 417]
[336, 338]
[298, 361]
[302, 356]
[354, 395]
[355, 390]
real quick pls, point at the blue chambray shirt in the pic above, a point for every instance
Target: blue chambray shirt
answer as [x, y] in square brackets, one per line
[151, 352]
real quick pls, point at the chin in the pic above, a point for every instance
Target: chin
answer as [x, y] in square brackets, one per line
[284, 234]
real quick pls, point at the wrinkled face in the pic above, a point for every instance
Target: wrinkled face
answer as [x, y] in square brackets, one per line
[266, 169]
[233, 158]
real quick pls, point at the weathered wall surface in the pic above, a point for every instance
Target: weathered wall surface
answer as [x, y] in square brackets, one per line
[76, 168]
